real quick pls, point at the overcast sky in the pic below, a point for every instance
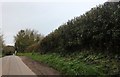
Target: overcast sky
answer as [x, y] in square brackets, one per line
[41, 16]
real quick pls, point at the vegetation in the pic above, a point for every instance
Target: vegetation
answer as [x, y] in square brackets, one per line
[86, 45]
[1, 44]
[1, 40]
[8, 50]
[79, 63]
[26, 39]
[97, 29]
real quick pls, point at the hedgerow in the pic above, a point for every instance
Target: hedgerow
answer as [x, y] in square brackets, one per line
[97, 29]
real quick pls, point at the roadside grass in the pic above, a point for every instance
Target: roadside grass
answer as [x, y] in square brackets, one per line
[65, 66]
[82, 63]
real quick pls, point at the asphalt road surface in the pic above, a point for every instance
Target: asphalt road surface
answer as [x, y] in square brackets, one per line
[13, 65]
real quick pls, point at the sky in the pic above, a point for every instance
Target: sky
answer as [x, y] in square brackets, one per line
[44, 16]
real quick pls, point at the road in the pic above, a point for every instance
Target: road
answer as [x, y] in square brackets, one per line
[13, 65]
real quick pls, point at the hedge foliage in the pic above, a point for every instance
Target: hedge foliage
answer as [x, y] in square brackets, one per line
[97, 29]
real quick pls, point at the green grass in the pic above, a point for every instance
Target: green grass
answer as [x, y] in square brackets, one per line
[65, 65]
[82, 63]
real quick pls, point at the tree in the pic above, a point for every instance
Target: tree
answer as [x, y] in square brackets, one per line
[25, 38]
[8, 50]
[1, 44]
[1, 40]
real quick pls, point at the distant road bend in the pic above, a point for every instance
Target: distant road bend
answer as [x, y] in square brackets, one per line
[13, 65]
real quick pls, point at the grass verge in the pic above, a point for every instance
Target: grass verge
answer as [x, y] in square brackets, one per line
[79, 63]
[66, 65]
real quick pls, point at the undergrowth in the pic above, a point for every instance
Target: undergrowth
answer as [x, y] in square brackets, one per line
[82, 63]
